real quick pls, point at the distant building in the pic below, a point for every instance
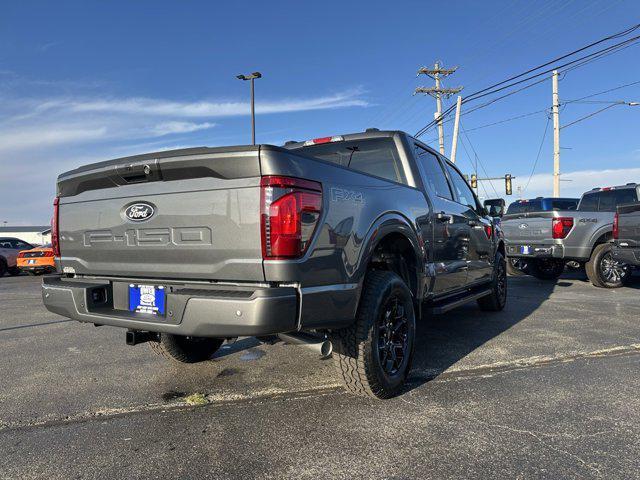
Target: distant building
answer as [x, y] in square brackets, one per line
[38, 235]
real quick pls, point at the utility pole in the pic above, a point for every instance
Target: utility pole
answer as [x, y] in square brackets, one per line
[437, 92]
[456, 124]
[252, 77]
[556, 135]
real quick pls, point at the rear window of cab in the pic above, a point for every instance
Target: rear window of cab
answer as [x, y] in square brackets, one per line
[376, 156]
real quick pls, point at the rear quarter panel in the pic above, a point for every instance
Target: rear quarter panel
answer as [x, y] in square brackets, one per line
[358, 210]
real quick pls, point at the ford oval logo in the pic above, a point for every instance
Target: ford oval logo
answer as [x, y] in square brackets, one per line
[139, 212]
[523, 226]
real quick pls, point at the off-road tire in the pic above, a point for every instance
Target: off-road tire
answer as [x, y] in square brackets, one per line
[13, 271]
[546, 268]
[595, 268]
[3, 267]
[356, 349]
[186, 349]
[498, 298]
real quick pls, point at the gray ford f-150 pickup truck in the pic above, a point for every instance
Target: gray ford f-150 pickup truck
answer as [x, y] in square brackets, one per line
[626, 234]
[547, 240]
[341, 242]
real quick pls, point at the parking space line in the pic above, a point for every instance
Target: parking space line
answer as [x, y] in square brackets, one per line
[31, 325]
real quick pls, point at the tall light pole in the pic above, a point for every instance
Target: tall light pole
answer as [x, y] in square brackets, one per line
[252, 77]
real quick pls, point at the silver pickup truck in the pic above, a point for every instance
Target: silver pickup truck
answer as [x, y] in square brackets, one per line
[547, 240]
[626, 234]
[339, 242]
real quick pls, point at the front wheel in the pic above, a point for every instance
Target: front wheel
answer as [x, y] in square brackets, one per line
[373, 356]
[186, 349]
[604, 271]
[498, 298]
[546, 268]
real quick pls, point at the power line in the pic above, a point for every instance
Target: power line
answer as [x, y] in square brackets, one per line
[524, 115]
[590, 115]
[535, 164]
[478, 158]
[603, 92]
[586, 47]
[508, 83]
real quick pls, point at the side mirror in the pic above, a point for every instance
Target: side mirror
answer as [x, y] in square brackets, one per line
[495, 207]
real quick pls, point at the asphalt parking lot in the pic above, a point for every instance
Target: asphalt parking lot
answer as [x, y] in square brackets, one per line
[547, 388]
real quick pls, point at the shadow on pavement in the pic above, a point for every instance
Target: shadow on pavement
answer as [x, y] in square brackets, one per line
[444, 340]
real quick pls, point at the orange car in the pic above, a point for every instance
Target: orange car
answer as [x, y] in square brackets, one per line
[37, 261]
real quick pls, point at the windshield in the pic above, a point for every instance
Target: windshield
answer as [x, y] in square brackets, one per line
[378, 156]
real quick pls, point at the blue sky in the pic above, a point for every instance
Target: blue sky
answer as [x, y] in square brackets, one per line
[86, 81]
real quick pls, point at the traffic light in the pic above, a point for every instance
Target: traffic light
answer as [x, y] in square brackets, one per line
[507, 184]
[474, 181]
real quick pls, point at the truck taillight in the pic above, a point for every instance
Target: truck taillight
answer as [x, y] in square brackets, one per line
[616, 231]
[561, 226]
[290, 210]
[55, 238]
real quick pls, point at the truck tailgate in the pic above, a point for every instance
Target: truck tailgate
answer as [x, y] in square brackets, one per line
[186, 214]
[528, 227]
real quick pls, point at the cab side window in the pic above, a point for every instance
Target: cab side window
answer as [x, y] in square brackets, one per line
[432, 173]
[463, 192]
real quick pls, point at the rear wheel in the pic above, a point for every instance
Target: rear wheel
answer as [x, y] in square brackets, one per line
[373, 356]
[498, 298]
[13, 271]
[603, 270]
[186, 349]
[546, 268]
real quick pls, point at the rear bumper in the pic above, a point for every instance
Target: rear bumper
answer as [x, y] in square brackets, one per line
[199, 309]
[37, 268]
[630, 256]
[535, 251]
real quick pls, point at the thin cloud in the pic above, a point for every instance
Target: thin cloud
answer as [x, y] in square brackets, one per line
[170, 128]
[160, 107]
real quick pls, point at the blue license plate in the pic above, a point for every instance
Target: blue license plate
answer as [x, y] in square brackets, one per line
[147, 299]
[525, 250]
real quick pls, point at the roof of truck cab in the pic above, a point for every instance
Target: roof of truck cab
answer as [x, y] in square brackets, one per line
[371, 134]
[212, 150]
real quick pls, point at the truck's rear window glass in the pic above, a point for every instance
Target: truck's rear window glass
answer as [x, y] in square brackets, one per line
[564, 204]
[377, 156]
[525, 206]
[608, 200]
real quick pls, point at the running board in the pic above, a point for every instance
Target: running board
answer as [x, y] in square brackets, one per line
[445, 307]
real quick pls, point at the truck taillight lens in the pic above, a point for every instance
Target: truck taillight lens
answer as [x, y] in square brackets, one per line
[561, 226]
[616, 232]
[55, 237]
[290, 210]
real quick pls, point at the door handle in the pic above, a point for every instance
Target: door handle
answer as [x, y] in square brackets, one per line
[443, 217]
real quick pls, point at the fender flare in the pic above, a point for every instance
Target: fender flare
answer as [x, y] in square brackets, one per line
[391, 222]
[599, 233]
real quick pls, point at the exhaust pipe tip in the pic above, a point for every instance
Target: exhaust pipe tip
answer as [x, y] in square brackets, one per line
[326, 349]
[322, 346]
